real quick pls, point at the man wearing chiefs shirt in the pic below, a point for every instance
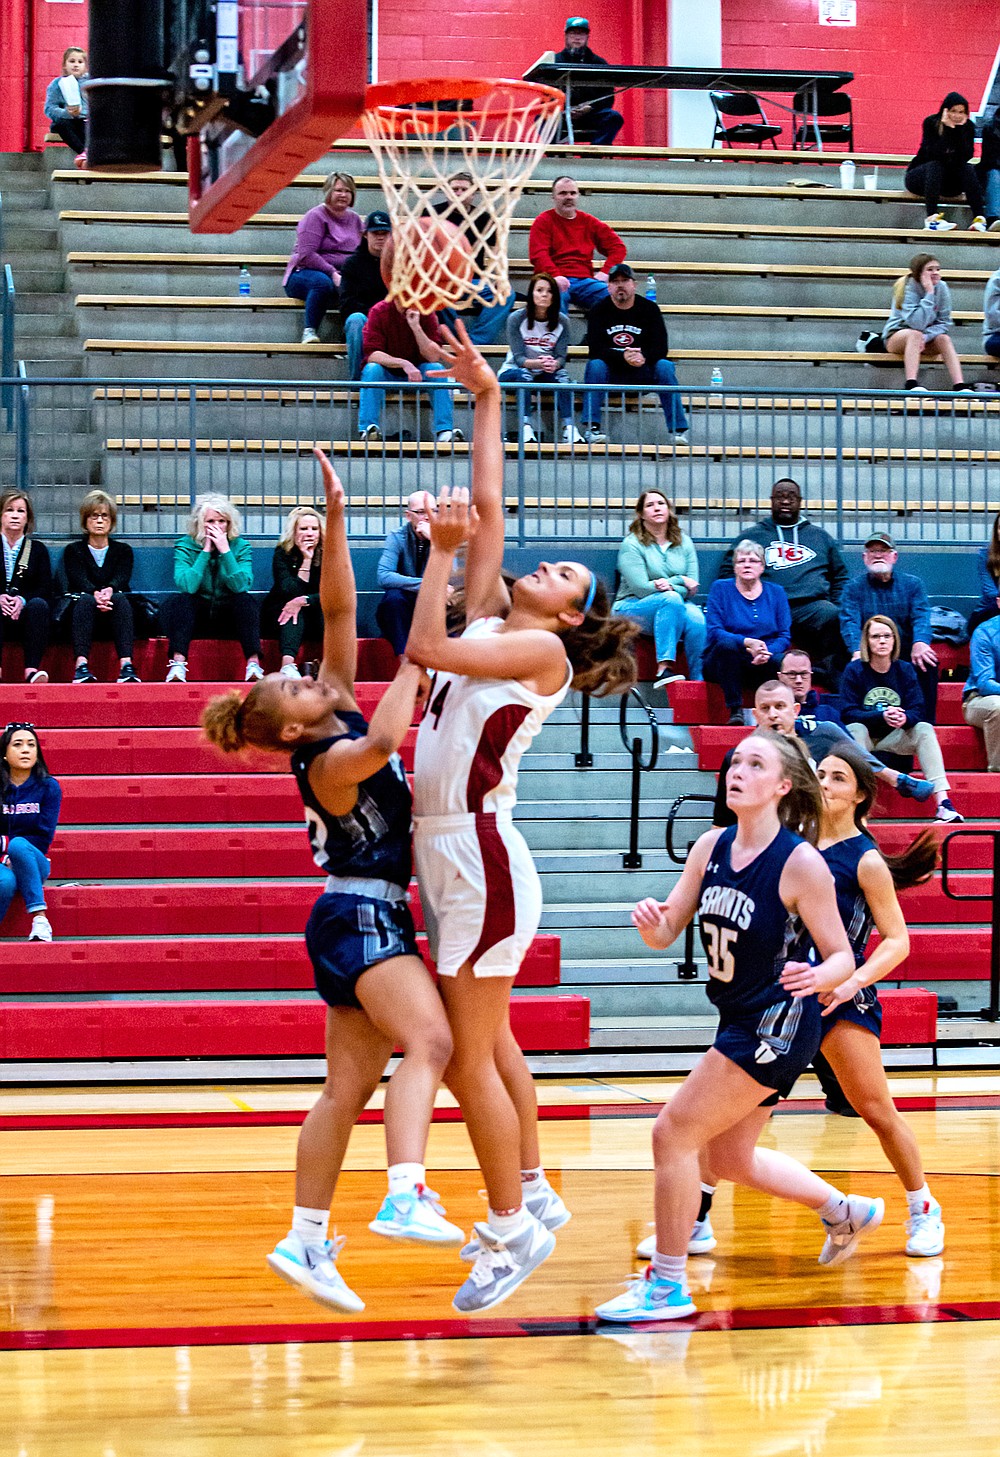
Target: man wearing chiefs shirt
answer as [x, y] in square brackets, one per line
[563, 241]
[627, 344]
[807, 563]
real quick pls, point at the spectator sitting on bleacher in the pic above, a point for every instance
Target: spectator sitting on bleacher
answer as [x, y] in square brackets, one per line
[820, 725]
[537, 346]
[291, 608]
[594, 117]
[25, 584]
[749, 628]
[627, 344]
[658, 576]
[400, 571]
[29, 813]
[66, 105]
[883, 708]
[919, 322]
[98, 574]
[989, 169]
[324, 240]
[485, 320]
[213, 572]
[806, 562]
[563, 241]
[991, 311]
[398, 345]
[981, 694]
[988, 575]
[943, 165]
[900, 596]
[362, 286]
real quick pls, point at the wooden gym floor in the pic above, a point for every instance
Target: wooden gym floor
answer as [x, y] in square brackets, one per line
[137, 1315]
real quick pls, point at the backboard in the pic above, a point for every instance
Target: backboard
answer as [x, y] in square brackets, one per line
[293, 74]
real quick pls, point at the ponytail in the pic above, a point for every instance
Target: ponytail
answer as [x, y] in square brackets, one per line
[233, 722]
[600, 649]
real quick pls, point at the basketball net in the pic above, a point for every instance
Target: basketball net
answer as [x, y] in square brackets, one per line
[497, 132]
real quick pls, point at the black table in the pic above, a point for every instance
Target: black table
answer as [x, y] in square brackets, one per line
[803, 84]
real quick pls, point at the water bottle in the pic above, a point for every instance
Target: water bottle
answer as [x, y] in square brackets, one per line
[716, 380]
[651, 288]
[244, 281]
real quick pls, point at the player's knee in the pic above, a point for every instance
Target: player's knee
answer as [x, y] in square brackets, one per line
[671, 1137]
[432, 1043]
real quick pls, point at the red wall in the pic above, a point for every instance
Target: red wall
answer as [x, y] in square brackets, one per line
[905, 55]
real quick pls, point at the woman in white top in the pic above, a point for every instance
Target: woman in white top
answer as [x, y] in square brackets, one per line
[492, 689]
[537, 350]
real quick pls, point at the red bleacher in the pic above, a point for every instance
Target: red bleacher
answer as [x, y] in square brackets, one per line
[157, 809]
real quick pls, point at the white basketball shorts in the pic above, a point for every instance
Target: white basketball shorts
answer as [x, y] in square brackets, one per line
[480, 892]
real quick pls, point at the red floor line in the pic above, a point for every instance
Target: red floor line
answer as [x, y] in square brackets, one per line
[491, 1327]
[560, 1112]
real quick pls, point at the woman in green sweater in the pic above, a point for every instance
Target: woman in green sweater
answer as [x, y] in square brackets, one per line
[658, 573]
[213, 574]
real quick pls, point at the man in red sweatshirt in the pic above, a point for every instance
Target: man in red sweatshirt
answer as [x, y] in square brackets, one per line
[563, 241]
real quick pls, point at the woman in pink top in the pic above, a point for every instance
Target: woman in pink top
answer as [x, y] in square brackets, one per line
[324, 239]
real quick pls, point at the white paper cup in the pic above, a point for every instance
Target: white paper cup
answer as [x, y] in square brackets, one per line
[871, 182]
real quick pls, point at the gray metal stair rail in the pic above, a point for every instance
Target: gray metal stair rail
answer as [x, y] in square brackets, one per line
[686, 969]
[632, 860]
[7, 344]
[992, 1012]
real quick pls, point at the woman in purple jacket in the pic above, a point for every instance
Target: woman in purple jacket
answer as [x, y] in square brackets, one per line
[324, 239]
[30, 800]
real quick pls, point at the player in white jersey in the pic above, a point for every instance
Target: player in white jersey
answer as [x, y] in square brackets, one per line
[492, 690]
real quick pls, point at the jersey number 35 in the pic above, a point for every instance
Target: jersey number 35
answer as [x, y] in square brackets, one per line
[720, 941]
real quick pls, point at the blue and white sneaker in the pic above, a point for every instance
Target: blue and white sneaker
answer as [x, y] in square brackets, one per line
[910, 788]
[702, 1240]
[313, 1268]
[501, 1264]
[544, 1203]
[418, 1216]
[862, 1215]
[648, 1297]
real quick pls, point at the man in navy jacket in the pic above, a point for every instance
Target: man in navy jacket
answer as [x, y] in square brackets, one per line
[881, 590]
[400, 569]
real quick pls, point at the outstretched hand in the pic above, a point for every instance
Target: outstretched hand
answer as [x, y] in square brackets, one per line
[650, 919]
[332, 484]
[451, 519]
[462, 360]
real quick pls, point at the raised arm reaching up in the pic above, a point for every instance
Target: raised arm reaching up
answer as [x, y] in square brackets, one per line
[485, 593]
[337, 593]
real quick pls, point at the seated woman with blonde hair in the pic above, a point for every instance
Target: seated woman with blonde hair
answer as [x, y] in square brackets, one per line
[918, 327]
[213, 573]
[291, 608]
[98, 574]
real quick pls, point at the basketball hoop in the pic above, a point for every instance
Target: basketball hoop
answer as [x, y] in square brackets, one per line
[424, 132]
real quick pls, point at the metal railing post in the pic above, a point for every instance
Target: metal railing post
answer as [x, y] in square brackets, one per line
[7, 343]
[686, 968]
[23, 437]
[992, 1012]
[584, 759]
[632, 860]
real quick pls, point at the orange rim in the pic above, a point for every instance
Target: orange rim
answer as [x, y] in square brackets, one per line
[426, 91]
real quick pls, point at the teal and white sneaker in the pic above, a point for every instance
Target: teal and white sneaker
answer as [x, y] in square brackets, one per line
[648, 1297]
[313, 1268]
[544, 1203]
[418, 1216]
[702, 1240]
[501, 1265]
[925, 1232]
[862, 1215]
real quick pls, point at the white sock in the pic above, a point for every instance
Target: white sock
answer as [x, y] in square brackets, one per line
[503, 1225]
[403, 1178]
[835, 1210]
[311, 1225]
[670, 1267]
[916, 1199]
[533, 1176]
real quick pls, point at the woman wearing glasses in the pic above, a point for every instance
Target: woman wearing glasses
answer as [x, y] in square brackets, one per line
[30, 800]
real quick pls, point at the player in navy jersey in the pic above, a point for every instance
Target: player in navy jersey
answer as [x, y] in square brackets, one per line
[762, 894]
[866, 885]
[360, 934]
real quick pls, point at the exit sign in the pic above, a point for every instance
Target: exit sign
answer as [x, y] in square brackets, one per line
[838, 12]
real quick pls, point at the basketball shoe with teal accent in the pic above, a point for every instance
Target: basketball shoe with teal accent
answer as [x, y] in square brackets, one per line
[862, 1215]
[648, 1297]
[418, 1215]
[313, 1268]
[702, 1240]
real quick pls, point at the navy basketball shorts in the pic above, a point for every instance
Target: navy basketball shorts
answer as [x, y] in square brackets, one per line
[864, 1010]
[775, 1047]
[347, 934]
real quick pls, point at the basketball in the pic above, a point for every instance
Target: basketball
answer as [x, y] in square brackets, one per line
[437, 259]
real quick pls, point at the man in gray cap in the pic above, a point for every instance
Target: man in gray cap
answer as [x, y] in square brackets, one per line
[594, 117]
[881, 590]
[627, 344]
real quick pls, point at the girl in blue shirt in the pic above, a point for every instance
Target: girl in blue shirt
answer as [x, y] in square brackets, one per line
[30, 812]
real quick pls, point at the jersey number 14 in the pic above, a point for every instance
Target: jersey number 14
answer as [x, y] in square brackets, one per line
[720, 942]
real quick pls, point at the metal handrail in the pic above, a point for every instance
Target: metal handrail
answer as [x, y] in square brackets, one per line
[23, 405]
[686, 968]
[992, 1012]
[7, 297]
[632, 860]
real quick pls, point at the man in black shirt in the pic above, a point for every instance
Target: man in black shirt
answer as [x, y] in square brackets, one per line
[361, 286]
[627, 344]
[592, 110]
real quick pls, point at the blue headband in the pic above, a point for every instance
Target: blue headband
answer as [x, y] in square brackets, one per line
[591, 593]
